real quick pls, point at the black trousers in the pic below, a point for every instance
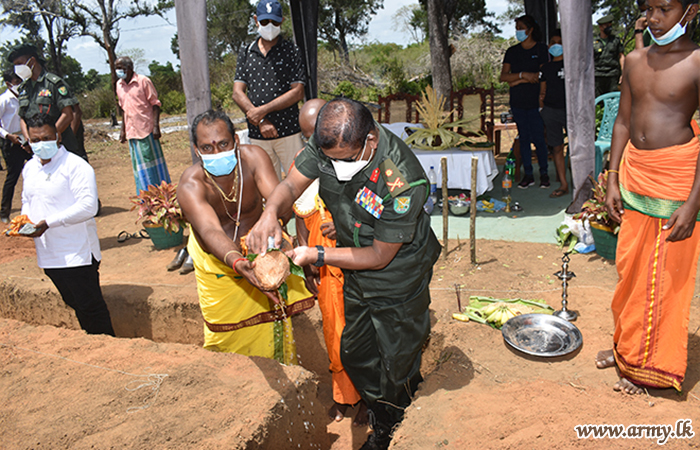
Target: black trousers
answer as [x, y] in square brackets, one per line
[14, 157]
[80, 289]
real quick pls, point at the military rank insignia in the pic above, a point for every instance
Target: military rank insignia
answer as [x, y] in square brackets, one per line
[44, 93]
[394, 179]
[375, 175]
[62, 90]
[402, 204]
[371, 202]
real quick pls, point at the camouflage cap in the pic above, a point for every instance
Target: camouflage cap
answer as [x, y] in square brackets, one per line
[22, 50]
[605, 19]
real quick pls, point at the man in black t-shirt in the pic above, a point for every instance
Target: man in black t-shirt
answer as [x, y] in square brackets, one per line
[269, 83]
[553, 104]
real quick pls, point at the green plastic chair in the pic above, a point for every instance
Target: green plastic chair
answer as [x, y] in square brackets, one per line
[611, 103]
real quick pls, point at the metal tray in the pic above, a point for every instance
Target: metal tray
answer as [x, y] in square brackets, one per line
[542, 335]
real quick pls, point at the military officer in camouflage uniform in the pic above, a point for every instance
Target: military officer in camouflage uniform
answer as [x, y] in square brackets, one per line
[608, 57]
[44, 92]
[375, 189]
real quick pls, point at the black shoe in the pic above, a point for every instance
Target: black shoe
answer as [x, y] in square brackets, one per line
[178, 260]
[528, 180]
[544, 181]
[382, 426]
[187, 266]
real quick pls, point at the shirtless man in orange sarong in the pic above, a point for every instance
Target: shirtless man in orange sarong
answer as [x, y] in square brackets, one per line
[654, 191]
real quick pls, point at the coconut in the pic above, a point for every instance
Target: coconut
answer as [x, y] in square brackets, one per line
[271, 269]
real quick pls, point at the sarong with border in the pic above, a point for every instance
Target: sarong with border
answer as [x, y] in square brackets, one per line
[656, 282]
[148, 163]
[238, 318]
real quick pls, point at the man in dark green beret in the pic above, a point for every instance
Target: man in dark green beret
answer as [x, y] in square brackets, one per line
[608, 57]
[44, 92]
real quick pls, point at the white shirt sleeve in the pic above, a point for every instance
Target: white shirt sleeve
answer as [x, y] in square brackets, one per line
[83, 186]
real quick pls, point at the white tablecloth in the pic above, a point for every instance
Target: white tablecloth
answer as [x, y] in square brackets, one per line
[459, 163]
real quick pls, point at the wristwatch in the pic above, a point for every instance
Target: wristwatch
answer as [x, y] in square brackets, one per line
[321, 256]
[638, 31]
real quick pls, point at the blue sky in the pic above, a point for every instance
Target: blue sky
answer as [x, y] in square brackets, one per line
[158, 32]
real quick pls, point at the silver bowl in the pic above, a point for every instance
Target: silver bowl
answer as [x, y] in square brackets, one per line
[542, 335]
[459, 207]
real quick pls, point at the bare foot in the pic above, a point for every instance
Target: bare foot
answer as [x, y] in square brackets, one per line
[361, 418]
[337, 411]
[626, 386]
[605, 359]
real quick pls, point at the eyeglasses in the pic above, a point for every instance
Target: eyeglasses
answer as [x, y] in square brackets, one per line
[264, 22]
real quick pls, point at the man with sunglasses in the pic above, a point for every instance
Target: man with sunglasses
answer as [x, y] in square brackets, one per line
[269, 83]
[375, 189]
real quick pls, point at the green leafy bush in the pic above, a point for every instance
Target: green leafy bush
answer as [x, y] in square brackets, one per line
[173, 102]
[347, 89]
[98, 103]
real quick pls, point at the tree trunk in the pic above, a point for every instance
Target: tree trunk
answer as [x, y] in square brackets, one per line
[344, 52]
[439, 51]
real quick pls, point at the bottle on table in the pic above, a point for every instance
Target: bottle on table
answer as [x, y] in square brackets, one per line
[432, 177]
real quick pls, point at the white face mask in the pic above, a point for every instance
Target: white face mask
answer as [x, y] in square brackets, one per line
[345, 170]
[269, 32]
[673, 34]
[23, 71]
[45, 149]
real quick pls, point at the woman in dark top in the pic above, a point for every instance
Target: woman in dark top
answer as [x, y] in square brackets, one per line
[521, 69]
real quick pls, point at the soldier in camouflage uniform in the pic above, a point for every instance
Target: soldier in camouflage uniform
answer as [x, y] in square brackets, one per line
[44, 92]
[608, 56]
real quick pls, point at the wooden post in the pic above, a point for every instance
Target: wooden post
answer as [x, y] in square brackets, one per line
[445, 205]
[472, 231]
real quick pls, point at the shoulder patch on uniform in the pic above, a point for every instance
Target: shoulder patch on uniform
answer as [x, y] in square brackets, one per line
[394, 179]
[402, 204]
[53, 78]
[62, 90]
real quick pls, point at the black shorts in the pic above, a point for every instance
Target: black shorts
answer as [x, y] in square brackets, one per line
[554, 124]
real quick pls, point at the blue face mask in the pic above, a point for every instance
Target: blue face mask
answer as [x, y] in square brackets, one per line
[674, 33]
[220, 164]
[121, 74]
[45, 149]
[556, 50]
[520, 35]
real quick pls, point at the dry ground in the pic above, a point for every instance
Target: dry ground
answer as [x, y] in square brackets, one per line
[478, 392]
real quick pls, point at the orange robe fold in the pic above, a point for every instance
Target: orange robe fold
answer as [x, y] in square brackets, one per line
[331, 302]
[656, 283]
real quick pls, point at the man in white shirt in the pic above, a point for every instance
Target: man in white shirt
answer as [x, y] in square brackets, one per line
[11, 131]
[59, 196]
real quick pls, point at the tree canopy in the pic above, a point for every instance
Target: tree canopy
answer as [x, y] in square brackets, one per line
[341, 19]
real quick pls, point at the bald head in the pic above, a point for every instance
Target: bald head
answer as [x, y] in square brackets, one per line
[308, 114]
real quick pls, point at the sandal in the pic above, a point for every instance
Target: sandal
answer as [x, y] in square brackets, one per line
[558, 193]
[124, 236]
